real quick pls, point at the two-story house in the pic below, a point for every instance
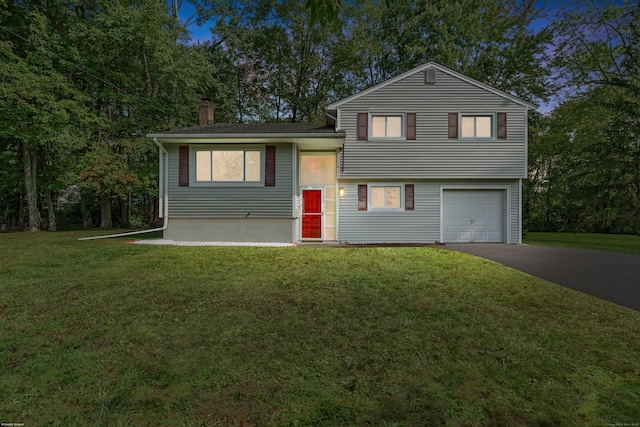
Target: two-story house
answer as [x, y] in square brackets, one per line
[428, 156]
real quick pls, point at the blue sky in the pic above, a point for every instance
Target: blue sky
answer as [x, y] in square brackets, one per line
[202, 33]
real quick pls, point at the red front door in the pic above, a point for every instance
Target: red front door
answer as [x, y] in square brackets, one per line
[312, 214]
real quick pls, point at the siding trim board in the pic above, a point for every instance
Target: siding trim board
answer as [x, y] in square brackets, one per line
[526, 145]
[520, 212]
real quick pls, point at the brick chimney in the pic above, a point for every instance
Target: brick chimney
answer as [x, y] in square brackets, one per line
[206, 112]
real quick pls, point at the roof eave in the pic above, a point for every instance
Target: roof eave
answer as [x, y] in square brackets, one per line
[306, 141]
[244, 135]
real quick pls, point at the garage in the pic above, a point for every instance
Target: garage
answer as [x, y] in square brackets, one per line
[473, 215]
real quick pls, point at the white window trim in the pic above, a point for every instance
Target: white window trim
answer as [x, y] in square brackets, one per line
[494, 126]
[385, 184]
[225, 147]
[403, 127]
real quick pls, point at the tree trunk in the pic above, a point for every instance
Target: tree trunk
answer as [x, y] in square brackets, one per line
[105, 212]
[21, 213]
[86, 212]
[154, 213]
[48, 200]
[51, 210]
[29, 164]
[125, 211]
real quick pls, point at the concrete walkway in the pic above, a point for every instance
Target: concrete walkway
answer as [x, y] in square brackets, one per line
[608, 275]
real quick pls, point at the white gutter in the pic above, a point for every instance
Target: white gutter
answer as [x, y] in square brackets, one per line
[250, 136]
[163, 202]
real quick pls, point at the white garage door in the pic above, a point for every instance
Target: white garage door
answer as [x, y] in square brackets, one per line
[473, 216]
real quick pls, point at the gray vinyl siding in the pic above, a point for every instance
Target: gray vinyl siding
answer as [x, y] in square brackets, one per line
[234, 202]
[421, 225]
[432, 154]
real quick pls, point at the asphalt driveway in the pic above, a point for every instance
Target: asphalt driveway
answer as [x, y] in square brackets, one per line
[611, 276]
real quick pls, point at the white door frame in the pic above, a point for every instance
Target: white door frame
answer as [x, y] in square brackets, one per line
[302, 153]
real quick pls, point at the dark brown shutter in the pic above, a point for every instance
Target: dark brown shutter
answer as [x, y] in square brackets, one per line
[411, 125]
[183, 166]
[363, 125]
[408, 197]
[362, 197]
[502, 125]
[270, 166]
[453, 125]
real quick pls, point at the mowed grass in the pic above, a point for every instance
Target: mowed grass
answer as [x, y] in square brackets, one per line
[605, 242]
[108, 333]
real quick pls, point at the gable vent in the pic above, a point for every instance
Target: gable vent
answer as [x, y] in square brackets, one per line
[430, 76]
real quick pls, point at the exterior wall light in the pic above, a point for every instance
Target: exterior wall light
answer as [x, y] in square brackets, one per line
[341, 191]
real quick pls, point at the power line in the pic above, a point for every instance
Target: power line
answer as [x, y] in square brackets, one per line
[67, 61]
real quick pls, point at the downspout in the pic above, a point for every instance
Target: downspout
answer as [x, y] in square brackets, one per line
[163, 203]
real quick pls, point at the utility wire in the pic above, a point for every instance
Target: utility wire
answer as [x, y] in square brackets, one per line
[67, 61]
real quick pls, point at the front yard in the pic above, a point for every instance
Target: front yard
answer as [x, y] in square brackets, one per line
[605, 242]
[102, 332]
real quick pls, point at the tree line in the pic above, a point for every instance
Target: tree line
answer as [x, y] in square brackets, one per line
[584, 157]
[84, 81]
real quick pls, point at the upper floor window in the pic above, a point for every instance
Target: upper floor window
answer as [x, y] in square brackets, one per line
[387, 126]
[228, 166]
[380, 126]
[476, 126]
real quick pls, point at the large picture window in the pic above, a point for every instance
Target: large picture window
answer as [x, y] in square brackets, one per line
[228, 166]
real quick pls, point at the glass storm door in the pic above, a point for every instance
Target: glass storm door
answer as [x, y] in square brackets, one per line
[312, 214]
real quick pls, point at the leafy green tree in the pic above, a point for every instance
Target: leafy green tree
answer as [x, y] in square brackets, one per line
[592, 179]
[324, 12]
[490, 41]
[283, 65]
[81, 77]
[40, 110]
[142, 78]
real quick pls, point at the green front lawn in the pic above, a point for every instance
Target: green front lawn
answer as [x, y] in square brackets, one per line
[604, 242]
[106, 333]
